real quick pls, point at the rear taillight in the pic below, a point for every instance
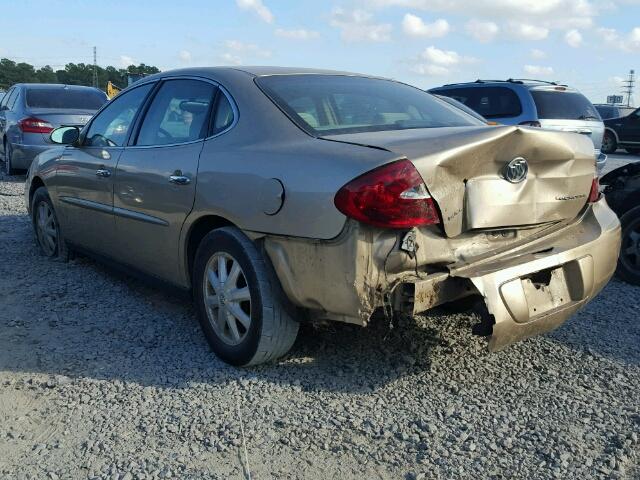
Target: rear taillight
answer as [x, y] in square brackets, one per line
[594, 194]
[532, 123]
[35, 125]
[392, 196]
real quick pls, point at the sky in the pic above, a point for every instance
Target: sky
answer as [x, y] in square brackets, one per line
[588, 44]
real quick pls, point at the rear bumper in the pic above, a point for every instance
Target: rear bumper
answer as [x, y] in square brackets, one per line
[23, 155]
[529, 287]
[537, 289]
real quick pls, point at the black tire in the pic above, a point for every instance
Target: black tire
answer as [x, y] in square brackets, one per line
[59, 249]
[609, 143]
[633, 151]
[8, 153]
[271, 331]
[629, 260]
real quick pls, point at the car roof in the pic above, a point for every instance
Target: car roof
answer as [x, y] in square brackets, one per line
[38, 86]
[254, 71]
[527, 82]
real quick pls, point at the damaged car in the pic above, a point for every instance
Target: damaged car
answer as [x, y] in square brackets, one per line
[622, 189]
[280, 196]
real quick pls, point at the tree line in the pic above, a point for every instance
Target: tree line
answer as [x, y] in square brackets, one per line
[73, 74]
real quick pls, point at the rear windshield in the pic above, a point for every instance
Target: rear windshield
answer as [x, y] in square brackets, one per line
[336, 104]
[62, 98]
[606, 111]
[560, 105]
[490, 102]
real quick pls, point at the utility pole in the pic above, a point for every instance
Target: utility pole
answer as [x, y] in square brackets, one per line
[629, 86]
[95, 68]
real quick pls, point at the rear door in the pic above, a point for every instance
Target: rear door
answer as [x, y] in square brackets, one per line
[630, 131]
[85, 174]
[155, 180]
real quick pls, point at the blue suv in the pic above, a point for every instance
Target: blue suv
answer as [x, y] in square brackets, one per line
[533, 103]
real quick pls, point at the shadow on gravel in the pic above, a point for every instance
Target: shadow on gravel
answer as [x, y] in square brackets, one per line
[83, 319]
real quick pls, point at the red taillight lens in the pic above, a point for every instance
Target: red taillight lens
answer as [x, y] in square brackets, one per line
[35, 125]
[533, 123]
[392, 196]
[594, 194]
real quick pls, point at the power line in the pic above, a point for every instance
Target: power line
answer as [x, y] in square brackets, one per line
[629, 86]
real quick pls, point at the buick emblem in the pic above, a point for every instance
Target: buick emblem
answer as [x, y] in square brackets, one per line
[516, 170]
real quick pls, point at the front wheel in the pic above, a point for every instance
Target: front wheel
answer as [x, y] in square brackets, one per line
[629, 260]
[46, 227]
[8, 153]
[239, 301]
[609, 144]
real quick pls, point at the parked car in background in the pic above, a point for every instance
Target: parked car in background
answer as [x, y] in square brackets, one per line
[622, 189]
[532, 103]
[463, 107]
[29, 112]
[326, 196]
[622, 133]
[607, 110]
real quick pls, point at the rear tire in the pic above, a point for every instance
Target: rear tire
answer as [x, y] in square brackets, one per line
[633, 151]
[239, 301]
[629, 260]
[8, 153]
[609, 143]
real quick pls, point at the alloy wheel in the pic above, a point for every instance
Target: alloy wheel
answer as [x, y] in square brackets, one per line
[46, 228]
[227, 298]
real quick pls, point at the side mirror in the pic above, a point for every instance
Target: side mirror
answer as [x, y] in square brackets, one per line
[65, 135]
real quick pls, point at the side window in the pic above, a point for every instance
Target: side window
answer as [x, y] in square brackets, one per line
[5, 99]
[490, 102]
[111, 126]
[13, 102]
[11, 96]
[178, 113]
[224, 114]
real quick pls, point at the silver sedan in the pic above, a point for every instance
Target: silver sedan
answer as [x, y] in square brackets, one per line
[280, 196]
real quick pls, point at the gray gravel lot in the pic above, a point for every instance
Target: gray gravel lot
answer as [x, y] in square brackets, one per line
[103, 376]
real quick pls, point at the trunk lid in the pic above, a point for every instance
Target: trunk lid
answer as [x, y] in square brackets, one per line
[60, 118]
[464, 172]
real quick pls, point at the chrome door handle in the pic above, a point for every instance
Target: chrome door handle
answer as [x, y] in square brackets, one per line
[179, 180]
[103, 173]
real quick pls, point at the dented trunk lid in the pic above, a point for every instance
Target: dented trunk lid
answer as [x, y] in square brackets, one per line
[464, 169]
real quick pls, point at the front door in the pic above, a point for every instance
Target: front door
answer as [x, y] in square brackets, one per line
[85, 174]
[155, 180]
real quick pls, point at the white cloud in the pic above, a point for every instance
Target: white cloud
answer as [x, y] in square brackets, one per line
[357, 25]
[237, 51]
[538, 70]
[415, 26]
[482, 31]
[126, 61]
[257, 7]
[184, 56]
[629, 42]
[525, 31]
[297, 34]
[573, 38]
[430, 70]
[441, 57]
[537, 54]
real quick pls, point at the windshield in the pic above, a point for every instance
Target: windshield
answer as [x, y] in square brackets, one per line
[63, 98]
[336, 104]
[560, 105]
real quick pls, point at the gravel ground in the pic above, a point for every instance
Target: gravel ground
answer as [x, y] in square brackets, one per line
[101, 376]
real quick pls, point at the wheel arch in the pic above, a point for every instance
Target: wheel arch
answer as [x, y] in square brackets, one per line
[615, 134]
[195, 232]
[36, 183]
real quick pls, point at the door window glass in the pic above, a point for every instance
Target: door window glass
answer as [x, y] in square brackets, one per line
[5, 99]
[178, 113]
[111, 127]
[490, 102]
[12, 98]
[224, 114]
